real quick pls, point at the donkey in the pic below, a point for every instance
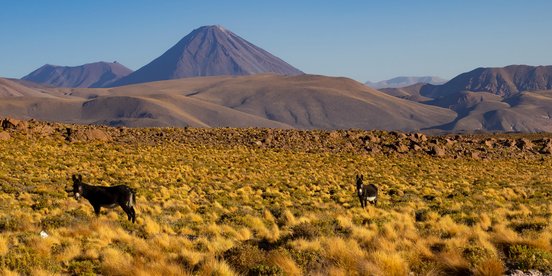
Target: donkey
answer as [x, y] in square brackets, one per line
[108, 197]
[366, 193]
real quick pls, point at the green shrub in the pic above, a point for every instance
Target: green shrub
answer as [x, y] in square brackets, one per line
[526, 257]
[83, 267]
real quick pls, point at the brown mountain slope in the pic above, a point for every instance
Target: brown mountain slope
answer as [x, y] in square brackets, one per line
[309, 101]
[10, 88]
[523, 112]
[251, 101]
[411, 92]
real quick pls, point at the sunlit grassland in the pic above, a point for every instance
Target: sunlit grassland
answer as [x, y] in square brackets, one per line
[242, 209]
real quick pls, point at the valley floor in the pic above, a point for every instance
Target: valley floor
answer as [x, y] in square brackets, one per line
[206, 208]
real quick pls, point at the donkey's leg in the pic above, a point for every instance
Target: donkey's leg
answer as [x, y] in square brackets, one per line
[127, 211]
[133, 214]
[97, 209]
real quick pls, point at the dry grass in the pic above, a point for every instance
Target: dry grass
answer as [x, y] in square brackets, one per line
[227, 210]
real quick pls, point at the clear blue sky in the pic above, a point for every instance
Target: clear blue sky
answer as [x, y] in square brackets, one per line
[363, 40]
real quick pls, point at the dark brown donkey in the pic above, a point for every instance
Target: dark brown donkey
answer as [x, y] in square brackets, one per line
[366, 193]
[108, 197]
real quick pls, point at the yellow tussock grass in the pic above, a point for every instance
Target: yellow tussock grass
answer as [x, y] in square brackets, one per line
[363, 235]
[150, 226]
[70, 252]
[447, 225]
[485, 221]
[389, 263]
[288, 266]
[216, 267]
[388, 232]
[244, 234]
[212, 229]
[219, 245]
[338, 271]
[191, 257]
[503, 234]
[344, 253]
[268, 216]
[114, 262]
[306, 245]
[7, 272]
[4, 245]
[289, 218]
[490, 267]
[453, 261]
[159, 268]
[42, 272]
[91, 253]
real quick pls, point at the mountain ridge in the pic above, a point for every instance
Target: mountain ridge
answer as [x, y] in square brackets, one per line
[90, 75]
[404, 81]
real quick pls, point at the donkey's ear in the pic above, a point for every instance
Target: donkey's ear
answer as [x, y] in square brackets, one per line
[74, 177]
[362, 177]
[80, 178]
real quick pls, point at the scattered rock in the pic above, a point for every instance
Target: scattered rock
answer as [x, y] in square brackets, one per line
[4, 136]
[490, 143]
[399, 147]
[372, 138]
[43, 130]
[415, 147]
[507, 143]
[524, 144]
[449, 142]
[10, 123]
[86, 135]
[420, 137]
[437, 151]
[547, 148]
[335, 135]
[372, 149]
[475, 155]
[531, 272]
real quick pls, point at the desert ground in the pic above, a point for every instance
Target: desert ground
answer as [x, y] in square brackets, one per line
[259, 201]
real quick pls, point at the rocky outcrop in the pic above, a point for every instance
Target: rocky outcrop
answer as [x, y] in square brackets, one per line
[482, 146]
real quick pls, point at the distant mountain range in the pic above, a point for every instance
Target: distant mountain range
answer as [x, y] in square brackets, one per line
[405, 81]
[98, 74]
[206, 51]
[214, 78]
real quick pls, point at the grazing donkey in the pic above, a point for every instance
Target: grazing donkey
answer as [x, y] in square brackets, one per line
[109, 197]
[366, 192]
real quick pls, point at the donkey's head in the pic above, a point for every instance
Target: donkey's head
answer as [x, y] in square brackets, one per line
[77, 186]
[359, 179]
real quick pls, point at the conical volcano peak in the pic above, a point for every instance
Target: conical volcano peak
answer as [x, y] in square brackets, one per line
[210, 51]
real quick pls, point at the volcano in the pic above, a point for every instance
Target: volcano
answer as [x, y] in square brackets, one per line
[210, 51]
